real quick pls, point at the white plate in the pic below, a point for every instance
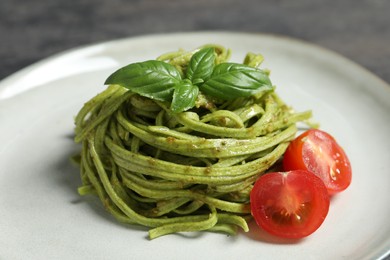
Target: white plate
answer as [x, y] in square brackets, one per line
[42, 216]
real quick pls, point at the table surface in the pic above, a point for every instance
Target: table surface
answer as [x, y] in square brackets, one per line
[35, 29]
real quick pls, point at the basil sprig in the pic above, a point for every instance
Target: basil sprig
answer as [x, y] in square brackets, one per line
[162, 81]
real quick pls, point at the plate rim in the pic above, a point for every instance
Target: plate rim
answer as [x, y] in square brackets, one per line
[85, 47]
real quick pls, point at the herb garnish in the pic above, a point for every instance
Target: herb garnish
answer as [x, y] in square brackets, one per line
[162, 81]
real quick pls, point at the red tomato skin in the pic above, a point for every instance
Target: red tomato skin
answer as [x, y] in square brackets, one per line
[278, 195]
[318, 152]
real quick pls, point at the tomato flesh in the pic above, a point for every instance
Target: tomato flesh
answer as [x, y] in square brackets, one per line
[319, 153]
[289, 204]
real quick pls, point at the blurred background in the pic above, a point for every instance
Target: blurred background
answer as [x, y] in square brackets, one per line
[34, 29]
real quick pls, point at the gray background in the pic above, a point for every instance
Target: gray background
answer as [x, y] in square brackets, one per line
[34, 29]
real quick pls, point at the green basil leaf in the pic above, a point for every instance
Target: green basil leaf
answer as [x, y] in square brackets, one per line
[184, 96]
[232, 80]
[201, 65]
[153, 79]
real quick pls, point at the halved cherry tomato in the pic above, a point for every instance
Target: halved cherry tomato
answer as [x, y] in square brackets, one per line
[290, 204]
[318, 152]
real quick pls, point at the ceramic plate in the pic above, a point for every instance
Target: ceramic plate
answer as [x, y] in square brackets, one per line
[43, 217]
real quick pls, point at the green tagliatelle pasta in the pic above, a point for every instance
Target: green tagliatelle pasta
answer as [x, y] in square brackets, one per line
[186, 171]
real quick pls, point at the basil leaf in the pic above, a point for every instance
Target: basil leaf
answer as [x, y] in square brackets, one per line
[153, 79]
[201, 65]
[231, 80]
[184, 96]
